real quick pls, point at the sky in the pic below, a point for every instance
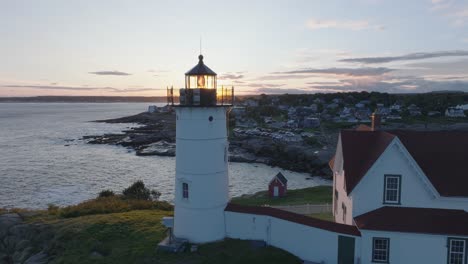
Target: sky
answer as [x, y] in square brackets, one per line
[138, 48]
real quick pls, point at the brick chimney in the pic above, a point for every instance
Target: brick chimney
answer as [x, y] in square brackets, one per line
[376, 121]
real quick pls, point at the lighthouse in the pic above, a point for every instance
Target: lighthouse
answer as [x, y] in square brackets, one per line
[201, 180]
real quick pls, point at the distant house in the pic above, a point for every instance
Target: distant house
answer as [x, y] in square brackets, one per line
[414, 110]
[395, 107]
[360, 105]
[314, 107]
[454, 112]
[337, 100]
[433, 113]
[278, 186]
[311, 122]
[152, 109]
[332, 106]
[283, 107]
[251, 103]
[238, 110]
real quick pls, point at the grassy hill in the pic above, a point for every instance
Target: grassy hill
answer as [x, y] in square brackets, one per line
[117, 229]
[93, 232]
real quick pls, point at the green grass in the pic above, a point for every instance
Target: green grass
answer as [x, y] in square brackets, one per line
[312, 195]
[96, 233]
[132, 237]
[324, 216]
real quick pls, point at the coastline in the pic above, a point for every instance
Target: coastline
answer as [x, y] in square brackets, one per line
[154, 134]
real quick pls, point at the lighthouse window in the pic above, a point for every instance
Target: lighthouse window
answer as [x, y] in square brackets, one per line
[185, 193]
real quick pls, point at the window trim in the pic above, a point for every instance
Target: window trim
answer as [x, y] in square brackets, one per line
[465, 256]
[385, 201]
[373, 250]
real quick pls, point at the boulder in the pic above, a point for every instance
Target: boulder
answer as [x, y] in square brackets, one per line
[161, 148]
[39, 258]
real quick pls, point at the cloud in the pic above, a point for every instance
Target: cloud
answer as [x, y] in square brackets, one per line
[457, 67]
[341, 71]
[78, 88]
[441, 4]
[281, 76]
[315, 24]
[395, 84]
[157, 71]
[231, 76]
[115, 73]
[282, 90]
[408, 57]
[263, 85]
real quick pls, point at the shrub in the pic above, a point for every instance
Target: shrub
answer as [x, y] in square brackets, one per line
[137, 191]
[106, 193]
[155, 194]
[112, 204]
[52, 209]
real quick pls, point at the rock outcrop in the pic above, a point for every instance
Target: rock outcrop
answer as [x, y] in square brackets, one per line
[22, 242]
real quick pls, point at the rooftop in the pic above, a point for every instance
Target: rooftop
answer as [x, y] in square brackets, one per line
[415, 220]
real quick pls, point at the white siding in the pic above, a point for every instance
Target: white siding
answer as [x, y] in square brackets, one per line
[407, 247]
[305, 242]
[368, 194]
[339, 186]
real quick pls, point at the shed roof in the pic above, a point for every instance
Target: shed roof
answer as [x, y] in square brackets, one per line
[415, 220]
[281, 178]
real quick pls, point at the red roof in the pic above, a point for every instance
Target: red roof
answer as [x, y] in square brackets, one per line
[442, 155]
[415, 220]
[296, 218]
[360, 150]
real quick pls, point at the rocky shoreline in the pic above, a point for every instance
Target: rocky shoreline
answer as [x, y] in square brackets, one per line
[23, 242]
[155, 135]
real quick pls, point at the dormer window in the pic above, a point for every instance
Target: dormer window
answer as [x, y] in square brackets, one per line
[392, 189]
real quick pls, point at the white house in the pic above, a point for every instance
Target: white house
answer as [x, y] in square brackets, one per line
[406, 192]
[454, 112]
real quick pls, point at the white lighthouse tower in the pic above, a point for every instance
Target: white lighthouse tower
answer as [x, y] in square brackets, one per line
[201, 182]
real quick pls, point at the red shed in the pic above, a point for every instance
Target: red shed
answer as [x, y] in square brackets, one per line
[278, 186]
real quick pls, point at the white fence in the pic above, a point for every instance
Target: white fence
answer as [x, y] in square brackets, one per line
[306, 209]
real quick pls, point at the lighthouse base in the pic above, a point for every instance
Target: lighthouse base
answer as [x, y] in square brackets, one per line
[199, 225]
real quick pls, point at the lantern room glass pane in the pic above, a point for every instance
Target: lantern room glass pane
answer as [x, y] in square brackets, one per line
[201, 81]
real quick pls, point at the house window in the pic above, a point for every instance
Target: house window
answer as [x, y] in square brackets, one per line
[343, 207]
[392, 189]
[457, 251]
[185, 191]
[380, 250]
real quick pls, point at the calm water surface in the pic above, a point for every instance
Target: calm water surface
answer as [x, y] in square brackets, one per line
[43, 161]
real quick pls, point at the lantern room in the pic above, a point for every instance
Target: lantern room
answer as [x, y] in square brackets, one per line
[200, 76]
[201, 88]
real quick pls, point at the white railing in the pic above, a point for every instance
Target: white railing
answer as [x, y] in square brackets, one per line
[306, 209]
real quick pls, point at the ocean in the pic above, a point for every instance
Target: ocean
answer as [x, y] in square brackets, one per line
[44, 161]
